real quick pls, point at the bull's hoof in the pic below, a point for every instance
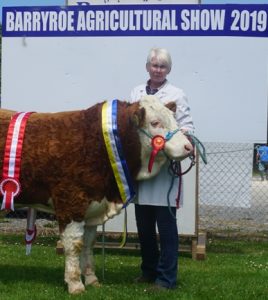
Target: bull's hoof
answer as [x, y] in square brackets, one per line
[92, 280]
[76, 288]
[96, 283]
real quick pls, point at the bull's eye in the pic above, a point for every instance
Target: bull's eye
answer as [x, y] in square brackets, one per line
[155, 124]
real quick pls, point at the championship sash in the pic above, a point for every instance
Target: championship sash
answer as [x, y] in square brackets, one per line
[10, 185]
[115, 151]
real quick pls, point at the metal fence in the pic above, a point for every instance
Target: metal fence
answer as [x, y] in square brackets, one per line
[233, 199]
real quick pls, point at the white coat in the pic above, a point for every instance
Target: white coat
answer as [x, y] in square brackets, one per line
[154, 191]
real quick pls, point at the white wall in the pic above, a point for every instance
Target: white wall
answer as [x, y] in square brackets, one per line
[225, 78]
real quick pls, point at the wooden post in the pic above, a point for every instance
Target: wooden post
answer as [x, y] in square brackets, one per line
[199, 246]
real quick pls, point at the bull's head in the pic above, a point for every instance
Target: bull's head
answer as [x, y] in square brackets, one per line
[160, 136]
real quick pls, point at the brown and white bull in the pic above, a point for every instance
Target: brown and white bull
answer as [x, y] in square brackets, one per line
[65, 169]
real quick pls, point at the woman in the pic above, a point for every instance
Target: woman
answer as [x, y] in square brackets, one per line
[160, 267]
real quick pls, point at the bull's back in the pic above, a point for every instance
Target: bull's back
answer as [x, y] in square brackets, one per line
[48, 138]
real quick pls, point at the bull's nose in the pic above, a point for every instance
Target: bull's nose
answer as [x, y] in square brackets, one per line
[189, 148]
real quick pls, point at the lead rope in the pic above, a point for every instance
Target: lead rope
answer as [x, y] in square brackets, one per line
[170, 188]
[103, 250]
[199, 146]
[124, 235]
[175, 171]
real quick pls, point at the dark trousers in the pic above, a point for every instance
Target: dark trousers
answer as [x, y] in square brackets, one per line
[161, 266]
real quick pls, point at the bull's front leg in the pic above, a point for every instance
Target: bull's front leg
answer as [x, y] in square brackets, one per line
[87, 259]
[72, 239]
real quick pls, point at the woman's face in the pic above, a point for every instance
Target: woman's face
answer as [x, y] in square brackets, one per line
[157, 70]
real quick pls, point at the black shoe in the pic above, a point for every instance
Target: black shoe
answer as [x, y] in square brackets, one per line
[143, 279]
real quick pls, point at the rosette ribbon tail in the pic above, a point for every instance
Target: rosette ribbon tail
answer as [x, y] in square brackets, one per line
[30, 230]
[151, 160]
[8, 201]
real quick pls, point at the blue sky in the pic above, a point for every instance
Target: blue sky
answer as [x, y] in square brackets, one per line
[62, 2]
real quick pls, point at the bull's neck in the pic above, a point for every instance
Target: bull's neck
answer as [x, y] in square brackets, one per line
[127, 133]
[129, 138]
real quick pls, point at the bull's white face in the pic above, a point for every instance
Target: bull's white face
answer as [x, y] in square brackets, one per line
[159, 121]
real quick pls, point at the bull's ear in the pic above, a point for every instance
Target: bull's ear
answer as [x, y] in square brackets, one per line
[138, 117]
[172, 106]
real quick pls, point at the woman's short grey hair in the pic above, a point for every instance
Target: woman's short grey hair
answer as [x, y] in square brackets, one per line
[161, 55]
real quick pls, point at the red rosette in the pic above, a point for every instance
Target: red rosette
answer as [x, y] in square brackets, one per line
[158, 144]
[9, 188]
[10, 185]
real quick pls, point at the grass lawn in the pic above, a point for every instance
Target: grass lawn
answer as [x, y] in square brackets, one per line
[233, 270]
